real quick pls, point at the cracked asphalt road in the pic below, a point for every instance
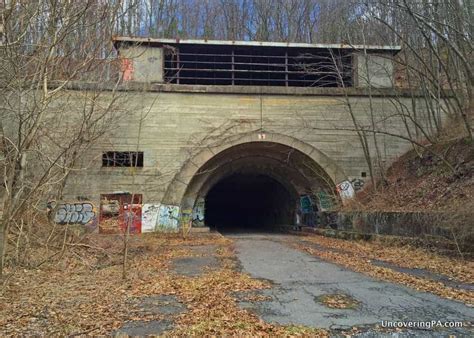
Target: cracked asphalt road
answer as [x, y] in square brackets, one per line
[301, 279]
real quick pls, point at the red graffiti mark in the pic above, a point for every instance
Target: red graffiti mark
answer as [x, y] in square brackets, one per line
[126, 67]
[131, 216]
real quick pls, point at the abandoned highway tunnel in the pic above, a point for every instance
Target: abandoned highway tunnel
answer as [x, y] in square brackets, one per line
[199, 158]
[258, 186]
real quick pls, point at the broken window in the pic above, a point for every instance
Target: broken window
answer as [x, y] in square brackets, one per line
[122, 159]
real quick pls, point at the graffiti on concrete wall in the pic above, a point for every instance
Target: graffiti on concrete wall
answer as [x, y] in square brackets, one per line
[357, 183]
[126, 66]
[306, 204]
[119, 211]
[168, 217]
[198, 213]
[308, 215]
[186, 220]
[345, 190]
[82, 213]
[325, 202]
[150, 213]
[348, 188]
[131, 218]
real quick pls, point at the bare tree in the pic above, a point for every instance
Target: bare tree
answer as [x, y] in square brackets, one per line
[437, 38]
[45, 127]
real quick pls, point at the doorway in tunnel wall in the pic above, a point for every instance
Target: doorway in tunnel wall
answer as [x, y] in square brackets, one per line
[249, 202]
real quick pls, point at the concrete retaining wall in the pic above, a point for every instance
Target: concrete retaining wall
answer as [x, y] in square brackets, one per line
[443, 229]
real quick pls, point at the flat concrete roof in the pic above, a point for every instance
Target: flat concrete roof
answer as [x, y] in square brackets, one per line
[141, 40]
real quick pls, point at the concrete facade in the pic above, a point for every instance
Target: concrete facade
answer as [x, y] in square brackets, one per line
[374, 71]
[182, 131]
[144, 64]
[195, 136]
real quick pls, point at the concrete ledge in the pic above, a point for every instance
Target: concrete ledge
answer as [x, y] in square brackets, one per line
[132, 86]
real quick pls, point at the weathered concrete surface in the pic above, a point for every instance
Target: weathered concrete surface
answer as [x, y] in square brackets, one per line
[193, 266]
[166, 306]
[182, 128]
[374, 70]
[163, 304]
[300, 279]
[204, 260]
[147, 63]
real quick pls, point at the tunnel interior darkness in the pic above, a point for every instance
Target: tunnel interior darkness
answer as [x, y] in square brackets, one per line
[244, 202]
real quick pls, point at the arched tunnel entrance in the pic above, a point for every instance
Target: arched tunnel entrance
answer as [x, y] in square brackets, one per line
[243, 202]
[257, 186]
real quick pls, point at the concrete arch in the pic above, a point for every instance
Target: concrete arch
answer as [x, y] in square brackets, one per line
[178, 186]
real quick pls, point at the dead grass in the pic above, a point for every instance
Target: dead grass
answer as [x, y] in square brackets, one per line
[84, 294]
[422, 183]
[357, 256]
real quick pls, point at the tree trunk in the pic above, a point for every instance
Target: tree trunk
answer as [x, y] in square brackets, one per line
[3, 244]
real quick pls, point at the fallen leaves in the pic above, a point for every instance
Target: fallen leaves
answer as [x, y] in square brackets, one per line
[84, 294]
[355, 256]
[338, 301]
[402, 255]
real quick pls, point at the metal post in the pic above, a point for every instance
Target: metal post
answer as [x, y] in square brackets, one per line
[233, 69]
[177, 65]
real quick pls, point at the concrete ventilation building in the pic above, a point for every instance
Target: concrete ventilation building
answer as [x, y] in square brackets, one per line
[231, 133]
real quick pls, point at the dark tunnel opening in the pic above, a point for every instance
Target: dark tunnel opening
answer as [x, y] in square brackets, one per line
[248, 203]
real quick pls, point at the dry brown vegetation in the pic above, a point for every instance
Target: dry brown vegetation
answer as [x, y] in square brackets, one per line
[357, 256]
[422, 182]
[84, 292]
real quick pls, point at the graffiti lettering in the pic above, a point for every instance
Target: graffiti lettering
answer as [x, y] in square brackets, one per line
[325, 202]
[150, 214]
[306, 204]
[76, 213]
[345, 190]
[357, 183]
[131, 217]
[198, 213]
[168, 217]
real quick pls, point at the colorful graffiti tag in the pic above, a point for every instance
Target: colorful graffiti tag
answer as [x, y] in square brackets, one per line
[308, 215]
[131, 218]
[168, 217]
[127, 69]
[82, 213]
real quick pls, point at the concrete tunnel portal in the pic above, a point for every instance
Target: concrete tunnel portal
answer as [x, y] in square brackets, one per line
[257, 186]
